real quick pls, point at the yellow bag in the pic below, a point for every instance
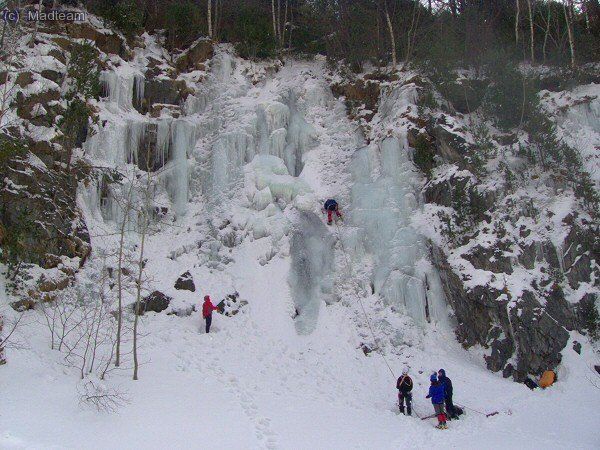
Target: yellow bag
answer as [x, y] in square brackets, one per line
[548, 378]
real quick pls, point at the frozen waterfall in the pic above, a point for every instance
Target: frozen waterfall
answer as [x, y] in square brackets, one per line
[311, 249]
[383, 199]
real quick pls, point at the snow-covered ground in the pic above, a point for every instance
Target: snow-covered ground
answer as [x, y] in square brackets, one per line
[255, 383]
[270, 148]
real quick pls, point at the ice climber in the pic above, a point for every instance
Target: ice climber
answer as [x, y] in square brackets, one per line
[207, 309]
[437, 395]
[404, 386]
[448, 395]
[332, 206]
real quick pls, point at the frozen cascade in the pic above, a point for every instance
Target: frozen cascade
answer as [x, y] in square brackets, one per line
[383, 199]
[120, 88]
[116, 143]
[183, 135]
[310, 277]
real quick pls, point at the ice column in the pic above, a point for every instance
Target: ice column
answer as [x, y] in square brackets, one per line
[383, 200]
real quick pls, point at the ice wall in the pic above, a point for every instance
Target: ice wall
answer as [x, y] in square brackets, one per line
[311, 249]
[383, 199]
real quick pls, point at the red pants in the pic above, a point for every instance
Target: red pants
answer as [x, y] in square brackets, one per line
[330, 213]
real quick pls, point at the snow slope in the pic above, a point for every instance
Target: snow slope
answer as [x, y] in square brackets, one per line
[265, 378]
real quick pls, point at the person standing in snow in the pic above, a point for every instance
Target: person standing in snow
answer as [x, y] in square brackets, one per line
[448, 388]
[332, 206]
[437, 394]
[207, 309]
[404, 386]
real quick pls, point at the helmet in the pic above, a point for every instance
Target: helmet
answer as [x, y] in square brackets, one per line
[433, 377]
[405, 370]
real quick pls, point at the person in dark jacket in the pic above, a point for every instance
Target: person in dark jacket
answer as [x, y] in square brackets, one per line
[437, 394]
[332, 206]
[207, 309]
[404, 386]
[448, 400]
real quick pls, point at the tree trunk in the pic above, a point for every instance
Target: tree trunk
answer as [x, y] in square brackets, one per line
[35, 26]
[274, 19]
[547, 32]
[517, 23]
[530, 8]
[209, 18]
[569, 20]
[391, 31]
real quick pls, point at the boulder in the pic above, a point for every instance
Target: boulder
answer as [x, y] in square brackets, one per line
[185, 282]
[156, 302]
[52, 75]
[231, 305]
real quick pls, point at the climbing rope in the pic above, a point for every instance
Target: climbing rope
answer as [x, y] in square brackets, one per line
[362, 306]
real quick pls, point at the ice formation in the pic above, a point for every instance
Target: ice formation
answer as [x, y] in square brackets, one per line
[383, 199]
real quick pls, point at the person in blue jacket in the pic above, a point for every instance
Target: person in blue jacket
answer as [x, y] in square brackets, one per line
[448, 399]
[437, 394]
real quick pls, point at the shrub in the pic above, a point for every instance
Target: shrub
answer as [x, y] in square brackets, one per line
[424, 154]
[10, 148]
[84, 71]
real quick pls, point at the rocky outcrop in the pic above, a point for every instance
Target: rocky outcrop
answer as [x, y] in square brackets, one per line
[360, 95]
[110, 43]
[533, 328]
[164, 91]
[40, 205]
[195, 57]
[185, 282]
[231, 305]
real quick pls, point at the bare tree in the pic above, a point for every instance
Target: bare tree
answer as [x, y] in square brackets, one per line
[412, 31]
[126, 207]
[531, 29]
[568, 11]
[391, 31]
[100, 397]
[144, 218]
[7, 333]
[209, 18]
[517, 18]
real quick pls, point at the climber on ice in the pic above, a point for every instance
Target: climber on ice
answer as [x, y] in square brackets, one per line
[332, 206]
[437, 394]
[404, 386]
[207, 309]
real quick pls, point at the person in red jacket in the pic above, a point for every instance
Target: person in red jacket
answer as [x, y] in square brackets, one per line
[207, 309]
